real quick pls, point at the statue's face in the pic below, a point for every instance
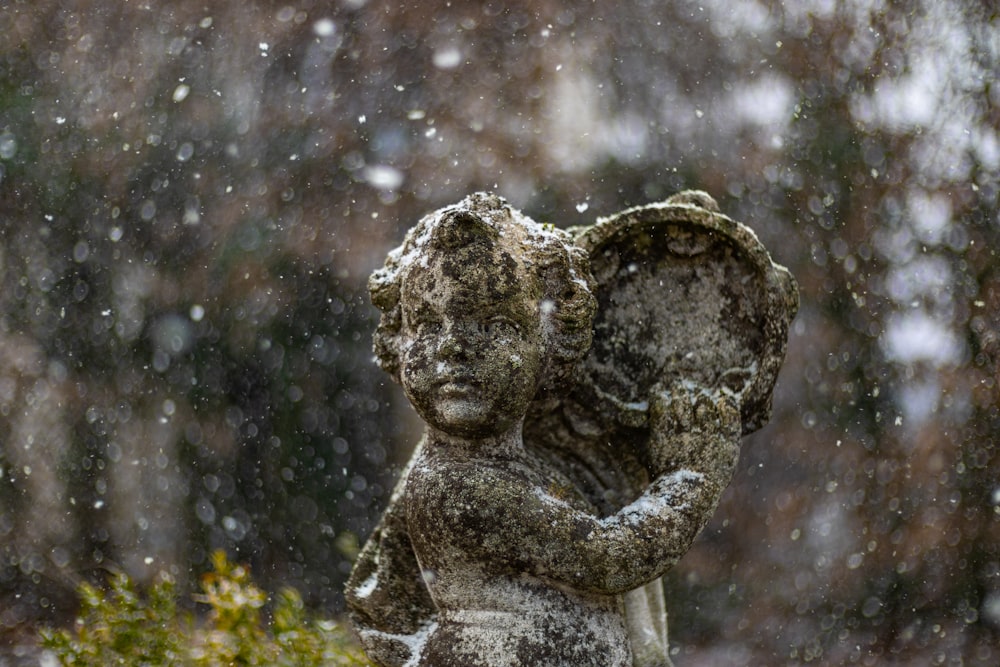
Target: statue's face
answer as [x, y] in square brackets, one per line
[472, 339]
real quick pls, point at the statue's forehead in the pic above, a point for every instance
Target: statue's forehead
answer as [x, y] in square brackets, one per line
[443, 286]
[478, 268]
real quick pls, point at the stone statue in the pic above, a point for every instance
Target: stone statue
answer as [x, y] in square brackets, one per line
[584, 392]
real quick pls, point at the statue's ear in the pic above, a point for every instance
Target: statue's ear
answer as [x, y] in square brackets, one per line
[384, 289]
[383, 286]
[684, 294]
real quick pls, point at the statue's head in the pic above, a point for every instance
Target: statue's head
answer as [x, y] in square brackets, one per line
[481, 307]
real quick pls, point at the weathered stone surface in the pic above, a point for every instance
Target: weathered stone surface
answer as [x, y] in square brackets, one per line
[685, 294]
[584, 395]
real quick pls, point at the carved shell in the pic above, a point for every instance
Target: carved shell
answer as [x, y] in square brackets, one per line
[685, 294]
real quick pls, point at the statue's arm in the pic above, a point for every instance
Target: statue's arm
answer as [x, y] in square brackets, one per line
[386, 596]
[633, 547]
[694, 449]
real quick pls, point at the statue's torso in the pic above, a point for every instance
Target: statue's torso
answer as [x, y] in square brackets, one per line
[496, 611]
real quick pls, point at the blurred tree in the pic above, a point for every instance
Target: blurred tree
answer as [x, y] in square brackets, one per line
[191, 200]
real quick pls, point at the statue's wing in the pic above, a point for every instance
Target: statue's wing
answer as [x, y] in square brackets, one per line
[685, 294]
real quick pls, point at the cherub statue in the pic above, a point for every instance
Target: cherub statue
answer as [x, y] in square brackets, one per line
[554, 485]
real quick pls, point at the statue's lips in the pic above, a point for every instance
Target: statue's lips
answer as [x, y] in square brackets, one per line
[457, 389]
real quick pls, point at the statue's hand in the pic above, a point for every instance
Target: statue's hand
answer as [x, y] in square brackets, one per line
[695, 429]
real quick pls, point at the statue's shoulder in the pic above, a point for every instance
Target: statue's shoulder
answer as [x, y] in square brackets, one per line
[469, 483]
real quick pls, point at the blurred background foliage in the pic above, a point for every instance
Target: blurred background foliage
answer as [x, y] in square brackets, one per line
[192, 195]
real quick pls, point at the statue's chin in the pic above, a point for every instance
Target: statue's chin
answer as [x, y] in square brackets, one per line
[461, 416]
[466, 418]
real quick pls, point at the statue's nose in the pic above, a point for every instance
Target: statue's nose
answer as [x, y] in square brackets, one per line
[452, 344]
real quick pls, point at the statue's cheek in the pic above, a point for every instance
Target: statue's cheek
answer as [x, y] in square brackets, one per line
[416, 367]
[417, 352]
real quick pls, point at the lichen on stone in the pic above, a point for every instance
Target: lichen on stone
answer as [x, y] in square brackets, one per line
[584, 395]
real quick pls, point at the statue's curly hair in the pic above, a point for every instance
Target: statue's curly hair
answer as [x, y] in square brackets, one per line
[562, 269]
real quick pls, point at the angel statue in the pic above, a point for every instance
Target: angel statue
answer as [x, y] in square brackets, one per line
[584, 393]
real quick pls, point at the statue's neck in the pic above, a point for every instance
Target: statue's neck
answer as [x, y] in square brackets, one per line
[503, 446]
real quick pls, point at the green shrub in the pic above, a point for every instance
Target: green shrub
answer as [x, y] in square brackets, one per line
[120, 627]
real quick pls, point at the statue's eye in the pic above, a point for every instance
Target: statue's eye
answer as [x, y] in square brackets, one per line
[499, 326]
[427, 327]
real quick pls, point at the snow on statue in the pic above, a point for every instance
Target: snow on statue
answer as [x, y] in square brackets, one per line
[584, 394]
